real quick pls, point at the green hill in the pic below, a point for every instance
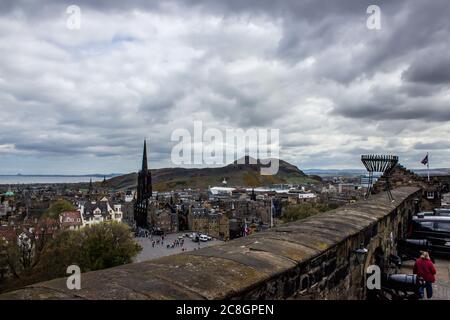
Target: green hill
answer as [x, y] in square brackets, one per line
[245, 175]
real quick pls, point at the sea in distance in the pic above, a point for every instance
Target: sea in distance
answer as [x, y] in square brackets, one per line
[44, 179]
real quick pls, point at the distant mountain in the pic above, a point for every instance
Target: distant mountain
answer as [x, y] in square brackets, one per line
[335, 172]
[358, 172]
[245, 175]
[433, 172]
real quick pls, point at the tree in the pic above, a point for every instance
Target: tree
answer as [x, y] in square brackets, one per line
[99, 246]
[103, 245]
[58, 207]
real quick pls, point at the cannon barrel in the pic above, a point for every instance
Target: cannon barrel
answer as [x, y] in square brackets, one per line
[403, 282]
[417, 242]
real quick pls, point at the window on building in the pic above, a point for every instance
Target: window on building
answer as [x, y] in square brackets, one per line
[430, 195]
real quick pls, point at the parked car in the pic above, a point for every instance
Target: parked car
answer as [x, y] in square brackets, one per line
[208, 238]
[426, 233]
[430, 228]
[424, 214]
[443, 212]
[203, 238]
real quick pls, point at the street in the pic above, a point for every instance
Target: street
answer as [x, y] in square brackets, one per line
[160, 250]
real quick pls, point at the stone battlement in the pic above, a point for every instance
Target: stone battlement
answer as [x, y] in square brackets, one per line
[307, 259]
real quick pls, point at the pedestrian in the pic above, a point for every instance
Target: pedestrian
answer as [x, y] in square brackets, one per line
[425, 269]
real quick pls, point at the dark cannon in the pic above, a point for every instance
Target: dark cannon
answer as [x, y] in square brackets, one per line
[401, 287]
[409, 249]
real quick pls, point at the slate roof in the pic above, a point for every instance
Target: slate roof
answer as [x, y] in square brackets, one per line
[90, 207]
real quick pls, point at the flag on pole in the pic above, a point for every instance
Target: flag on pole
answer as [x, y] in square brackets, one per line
[425, 160]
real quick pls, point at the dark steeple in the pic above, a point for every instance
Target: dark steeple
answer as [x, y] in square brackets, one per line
[144, 158]
[144, 192]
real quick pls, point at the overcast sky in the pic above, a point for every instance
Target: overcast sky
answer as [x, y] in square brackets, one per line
[82, 101]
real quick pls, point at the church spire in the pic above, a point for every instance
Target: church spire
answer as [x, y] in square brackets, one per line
[91, 187]
[144, 192]
[144, 158]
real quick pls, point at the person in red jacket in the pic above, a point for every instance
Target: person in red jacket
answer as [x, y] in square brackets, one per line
[425, 269]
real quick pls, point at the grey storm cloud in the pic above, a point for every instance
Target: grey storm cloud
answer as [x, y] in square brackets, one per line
[431, 69]
[141, 69]
[437, 145]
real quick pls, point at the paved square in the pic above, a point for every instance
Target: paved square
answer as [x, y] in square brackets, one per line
[160, 250]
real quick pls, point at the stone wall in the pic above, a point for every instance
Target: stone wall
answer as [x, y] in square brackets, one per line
[308, 259]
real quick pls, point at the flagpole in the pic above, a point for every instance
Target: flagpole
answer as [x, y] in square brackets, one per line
[428, 166]
[271, 213]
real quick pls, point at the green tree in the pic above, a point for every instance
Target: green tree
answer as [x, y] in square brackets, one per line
[58, 207]
[103, 245]
[99, 246]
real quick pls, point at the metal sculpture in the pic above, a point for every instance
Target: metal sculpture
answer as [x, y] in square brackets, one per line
[379, 163]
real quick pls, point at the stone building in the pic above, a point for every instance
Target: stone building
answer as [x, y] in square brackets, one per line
[259, 210]
[212, 223]
[93, 212]
[162, 216]
[128, 213]
[71, 220]
[164, 220]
